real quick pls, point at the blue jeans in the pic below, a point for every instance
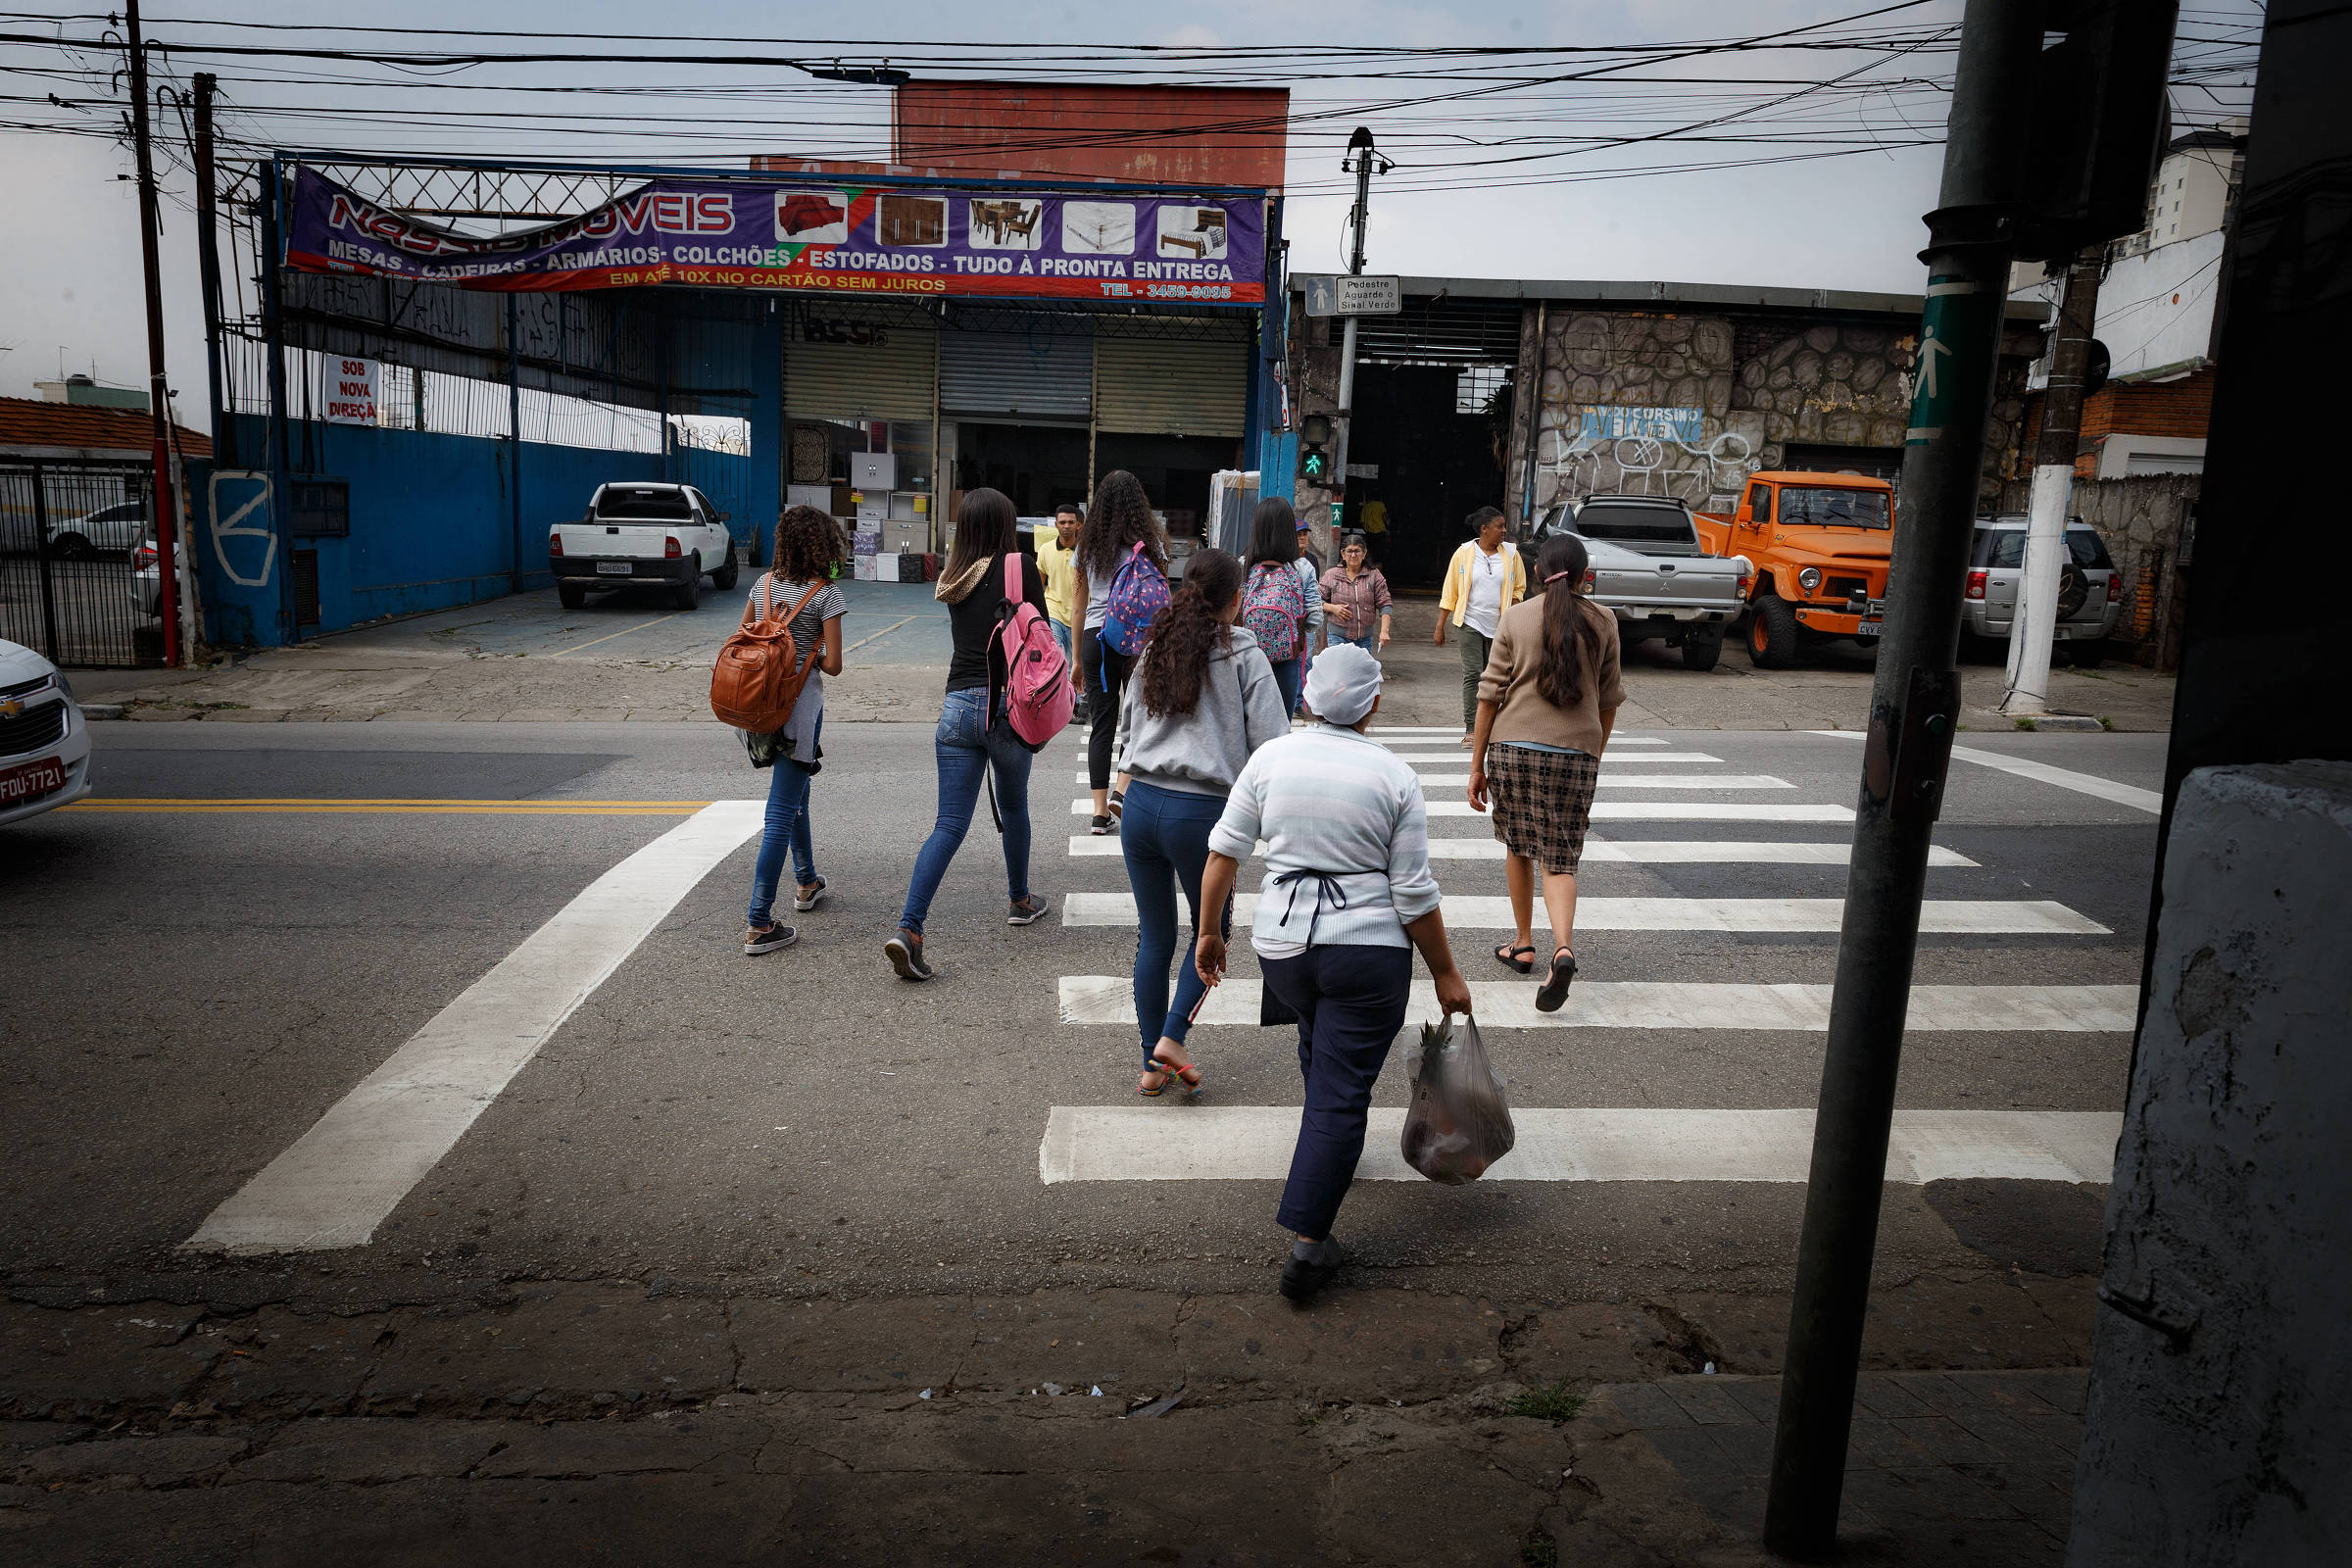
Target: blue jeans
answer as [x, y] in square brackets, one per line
[1289, 675]
[1164, 838]
[966, 747]
[787, 822]
[1369, 642]
[1351, 1003]
[1061, 635]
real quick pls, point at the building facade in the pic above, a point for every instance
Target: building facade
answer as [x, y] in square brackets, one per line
[1522, 394]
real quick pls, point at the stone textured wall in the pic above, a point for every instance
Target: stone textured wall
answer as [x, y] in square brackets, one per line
[1756, 384]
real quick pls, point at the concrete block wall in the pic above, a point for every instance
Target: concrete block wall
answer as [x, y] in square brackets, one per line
[2222, 1369]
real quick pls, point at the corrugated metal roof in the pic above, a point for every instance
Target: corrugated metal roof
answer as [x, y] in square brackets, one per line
[1664, 295]
[29, 422]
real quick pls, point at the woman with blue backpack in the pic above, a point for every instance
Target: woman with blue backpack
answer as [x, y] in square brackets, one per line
[1274, 596]
[1203, 700]
[975, 736]
[1122, 583]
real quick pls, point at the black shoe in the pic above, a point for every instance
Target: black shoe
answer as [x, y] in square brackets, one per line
[906, 953]
[1555, 990]
[1301, 1277]
[767, 939]
[1099, 826]
[1028, 911]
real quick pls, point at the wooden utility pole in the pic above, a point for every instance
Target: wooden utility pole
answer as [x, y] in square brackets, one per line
[158, 410]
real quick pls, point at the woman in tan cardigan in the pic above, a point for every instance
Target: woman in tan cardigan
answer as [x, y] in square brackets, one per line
[1545, 706]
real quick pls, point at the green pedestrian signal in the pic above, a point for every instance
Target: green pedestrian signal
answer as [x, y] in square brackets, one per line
[1314, 450]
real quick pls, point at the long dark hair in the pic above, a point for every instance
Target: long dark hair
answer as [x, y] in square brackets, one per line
[1187, 634]
[984, 526]
[1273, 532]
[1571, 641]
[1119, 520]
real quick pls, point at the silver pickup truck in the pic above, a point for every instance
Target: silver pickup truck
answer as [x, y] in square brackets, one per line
[1649, 567]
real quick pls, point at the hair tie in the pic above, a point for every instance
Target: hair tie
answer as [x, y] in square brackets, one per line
[1556, 578]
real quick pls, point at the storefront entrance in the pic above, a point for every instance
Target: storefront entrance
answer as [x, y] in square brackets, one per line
[1436, 464]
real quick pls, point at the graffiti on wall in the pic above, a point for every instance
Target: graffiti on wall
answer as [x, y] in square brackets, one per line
[1654, 451]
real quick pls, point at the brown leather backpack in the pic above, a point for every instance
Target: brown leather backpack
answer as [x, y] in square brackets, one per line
[760, 671]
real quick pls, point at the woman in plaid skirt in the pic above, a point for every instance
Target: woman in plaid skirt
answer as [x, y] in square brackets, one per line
[1545, 706]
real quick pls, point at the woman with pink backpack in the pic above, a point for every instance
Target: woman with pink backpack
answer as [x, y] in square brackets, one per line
[1274, 602]
[977, 736]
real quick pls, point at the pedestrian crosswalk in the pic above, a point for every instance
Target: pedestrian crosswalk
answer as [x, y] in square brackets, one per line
[1680, 794]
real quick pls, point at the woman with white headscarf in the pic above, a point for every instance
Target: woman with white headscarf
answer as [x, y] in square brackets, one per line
[1348, 897]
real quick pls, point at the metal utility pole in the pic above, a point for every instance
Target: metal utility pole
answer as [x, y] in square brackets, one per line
[1363, 161]
[1914, 705]
[207, 265]
[166, 532]
[2035, 620]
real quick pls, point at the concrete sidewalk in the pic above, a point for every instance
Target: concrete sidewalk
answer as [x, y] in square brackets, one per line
[233, 1415]
[528, 658]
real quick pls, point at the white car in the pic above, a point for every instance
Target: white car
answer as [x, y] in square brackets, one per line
[108, 531]
[643, 535]
[44, 743]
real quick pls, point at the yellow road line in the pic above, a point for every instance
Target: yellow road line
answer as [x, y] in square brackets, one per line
[429, 808]
[884, 632]
[623, 632]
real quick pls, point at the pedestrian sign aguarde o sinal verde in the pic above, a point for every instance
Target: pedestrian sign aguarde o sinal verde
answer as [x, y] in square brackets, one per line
[830, 238]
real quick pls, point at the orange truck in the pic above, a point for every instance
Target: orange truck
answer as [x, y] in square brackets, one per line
[1821, 543]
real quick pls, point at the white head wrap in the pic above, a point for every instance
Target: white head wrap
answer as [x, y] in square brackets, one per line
[1343, 683]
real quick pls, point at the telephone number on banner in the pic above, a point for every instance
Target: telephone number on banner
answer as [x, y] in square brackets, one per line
[1169, 291]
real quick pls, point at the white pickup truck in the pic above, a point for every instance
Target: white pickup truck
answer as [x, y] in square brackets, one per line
[642, 534]
[1649, 567]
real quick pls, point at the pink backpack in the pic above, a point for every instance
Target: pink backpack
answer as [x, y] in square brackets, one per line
[1038, 699]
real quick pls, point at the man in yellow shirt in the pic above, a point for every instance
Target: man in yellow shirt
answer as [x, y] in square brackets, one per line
[1057, 564]
[1485, 578]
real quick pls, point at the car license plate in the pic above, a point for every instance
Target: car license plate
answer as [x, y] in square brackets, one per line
[30, 781]
[1869, 628]
[612, 569]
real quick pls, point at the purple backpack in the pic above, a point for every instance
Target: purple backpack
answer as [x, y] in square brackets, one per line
[1273, 607]
[1139, 592]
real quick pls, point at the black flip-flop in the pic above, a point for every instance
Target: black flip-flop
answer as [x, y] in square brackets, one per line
[1555, 990]
[1509, 956]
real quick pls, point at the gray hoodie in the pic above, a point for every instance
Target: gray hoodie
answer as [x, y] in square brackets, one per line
[1201, 752]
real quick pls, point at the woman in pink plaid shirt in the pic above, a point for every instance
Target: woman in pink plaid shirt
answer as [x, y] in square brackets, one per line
[1355, 600]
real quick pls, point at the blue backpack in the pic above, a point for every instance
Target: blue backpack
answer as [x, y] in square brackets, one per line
[1139, 592]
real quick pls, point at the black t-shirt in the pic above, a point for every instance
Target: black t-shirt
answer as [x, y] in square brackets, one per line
[973, 622]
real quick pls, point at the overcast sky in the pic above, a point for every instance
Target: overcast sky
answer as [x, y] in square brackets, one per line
[72, 284]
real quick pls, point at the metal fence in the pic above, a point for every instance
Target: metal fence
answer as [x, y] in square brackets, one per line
[70, 588]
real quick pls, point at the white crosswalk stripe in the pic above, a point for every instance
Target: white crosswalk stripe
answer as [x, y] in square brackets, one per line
[1642, 810]
[1467, 911]
[1253, 1142]
[1102, 998]
[1727, 783]
[1612, 852]
[1456, 756]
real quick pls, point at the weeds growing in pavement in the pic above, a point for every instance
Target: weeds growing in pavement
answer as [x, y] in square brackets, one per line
[1539, 1551]
[1551, 1401]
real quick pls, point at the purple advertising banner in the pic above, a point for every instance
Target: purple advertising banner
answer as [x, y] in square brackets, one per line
[838, 238]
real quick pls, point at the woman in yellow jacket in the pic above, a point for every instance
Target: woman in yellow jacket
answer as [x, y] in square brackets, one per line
[1485, 578]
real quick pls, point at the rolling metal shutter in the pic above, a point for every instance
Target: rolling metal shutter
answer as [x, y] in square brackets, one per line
[893, 380]
[1014, 374]
[1169, 385]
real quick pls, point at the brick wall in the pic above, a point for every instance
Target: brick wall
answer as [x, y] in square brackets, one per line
[2182, 407]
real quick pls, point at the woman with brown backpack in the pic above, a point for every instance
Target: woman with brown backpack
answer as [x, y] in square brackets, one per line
[808, 549]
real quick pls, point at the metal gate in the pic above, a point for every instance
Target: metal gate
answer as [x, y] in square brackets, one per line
[70, 588]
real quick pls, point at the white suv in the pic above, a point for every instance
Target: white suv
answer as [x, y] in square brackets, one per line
[44, 745]
[643, 534]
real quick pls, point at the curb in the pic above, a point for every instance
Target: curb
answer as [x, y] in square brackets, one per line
[102, 710]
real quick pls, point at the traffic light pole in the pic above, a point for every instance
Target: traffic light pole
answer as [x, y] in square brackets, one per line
[1361, 151]
[1914, 706]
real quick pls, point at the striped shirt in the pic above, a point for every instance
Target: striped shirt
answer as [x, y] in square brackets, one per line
[1346, 841]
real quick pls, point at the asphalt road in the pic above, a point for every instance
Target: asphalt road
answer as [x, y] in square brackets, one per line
[198, 987]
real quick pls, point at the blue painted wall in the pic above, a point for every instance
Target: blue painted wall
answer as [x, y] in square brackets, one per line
[432, 526]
